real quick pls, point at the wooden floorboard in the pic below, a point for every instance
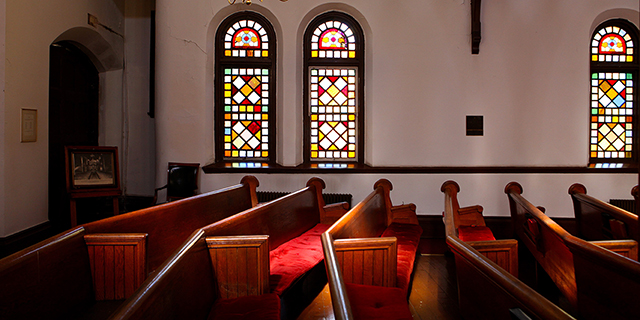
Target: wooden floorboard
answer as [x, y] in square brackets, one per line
[434, 292]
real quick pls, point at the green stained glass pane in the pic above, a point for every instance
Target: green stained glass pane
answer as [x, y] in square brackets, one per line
[227, 71]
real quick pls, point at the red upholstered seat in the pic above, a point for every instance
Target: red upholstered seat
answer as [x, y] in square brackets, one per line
[408, 236]
[295, 257]
[374, 302]
[266, 306]
[475, 233]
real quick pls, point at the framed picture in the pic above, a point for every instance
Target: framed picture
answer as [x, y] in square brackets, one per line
[29, 124]
[92, 169]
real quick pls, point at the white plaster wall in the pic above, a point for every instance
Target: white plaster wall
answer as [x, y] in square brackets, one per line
[29, 27]
[530, 82]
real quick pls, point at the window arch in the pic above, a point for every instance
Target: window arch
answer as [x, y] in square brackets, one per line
[334, 82]
[245, 90]
[614, 72]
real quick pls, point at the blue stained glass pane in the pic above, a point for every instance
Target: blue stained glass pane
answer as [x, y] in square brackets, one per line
[227, 131]
[619, 101]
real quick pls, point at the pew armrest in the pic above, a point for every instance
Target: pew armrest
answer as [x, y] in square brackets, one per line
[333, 212]
[471, 216]
[503, 252]
[405, 213]
[627, 248]
[369, 261]
[240, 264]
[118, 263]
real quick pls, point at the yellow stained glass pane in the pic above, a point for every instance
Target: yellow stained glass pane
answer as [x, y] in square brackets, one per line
[227, 86]
[629, 58]
[227, 94]
[314, 117]
[227, 53]
[314, 147]
[227, 138]
[594, 154]
[265, 53]
[314, 154]
[234, 153]
[352, 54]
[314, 54]
[265, 154]
[594, 57]
[352, 154]
[265, 116]
[352, 117]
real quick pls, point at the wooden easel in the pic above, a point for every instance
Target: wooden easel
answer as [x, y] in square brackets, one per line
[73, 196]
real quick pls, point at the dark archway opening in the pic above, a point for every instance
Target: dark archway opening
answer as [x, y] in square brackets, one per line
[73, 118]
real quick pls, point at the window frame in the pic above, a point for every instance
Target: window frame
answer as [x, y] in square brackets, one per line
[222, 62]
[616, 67]
[357, 62]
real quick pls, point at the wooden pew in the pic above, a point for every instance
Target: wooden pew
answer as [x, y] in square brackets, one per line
[369, 257]
[294, 224]
[598, 220]
[91, 269]
[185, 286]
[486, 289]
[595, 281]
[469, 226]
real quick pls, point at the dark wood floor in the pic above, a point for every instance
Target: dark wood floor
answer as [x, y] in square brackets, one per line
[434, 292]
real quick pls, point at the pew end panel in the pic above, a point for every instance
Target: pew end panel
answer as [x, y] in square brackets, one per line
[233, 258]
[118, 263]
[369, 261]
[625, 248]
[332, 212]
[503, 252]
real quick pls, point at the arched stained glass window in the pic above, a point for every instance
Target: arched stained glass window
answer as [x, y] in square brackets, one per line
[613, 75]
[245, 64]
[334, 67]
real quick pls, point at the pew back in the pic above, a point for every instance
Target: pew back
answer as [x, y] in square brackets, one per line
[46, 280]
[485, 289]
[598, 220]
[282, 219]
[183, 287]
[169, 225]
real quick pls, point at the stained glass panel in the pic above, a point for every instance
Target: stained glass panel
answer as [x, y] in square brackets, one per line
[246, 108]
[333, 39]
[333, 112]
[612, 44]
[246, 38]
[611, 115]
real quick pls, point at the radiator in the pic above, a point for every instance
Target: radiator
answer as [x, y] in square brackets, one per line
[266, 196]
[625, 204]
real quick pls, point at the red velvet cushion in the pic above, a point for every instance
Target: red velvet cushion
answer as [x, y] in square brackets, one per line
[476, 233]
[408, 236]
[295, 257]
[266, 306]
[374, 302]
